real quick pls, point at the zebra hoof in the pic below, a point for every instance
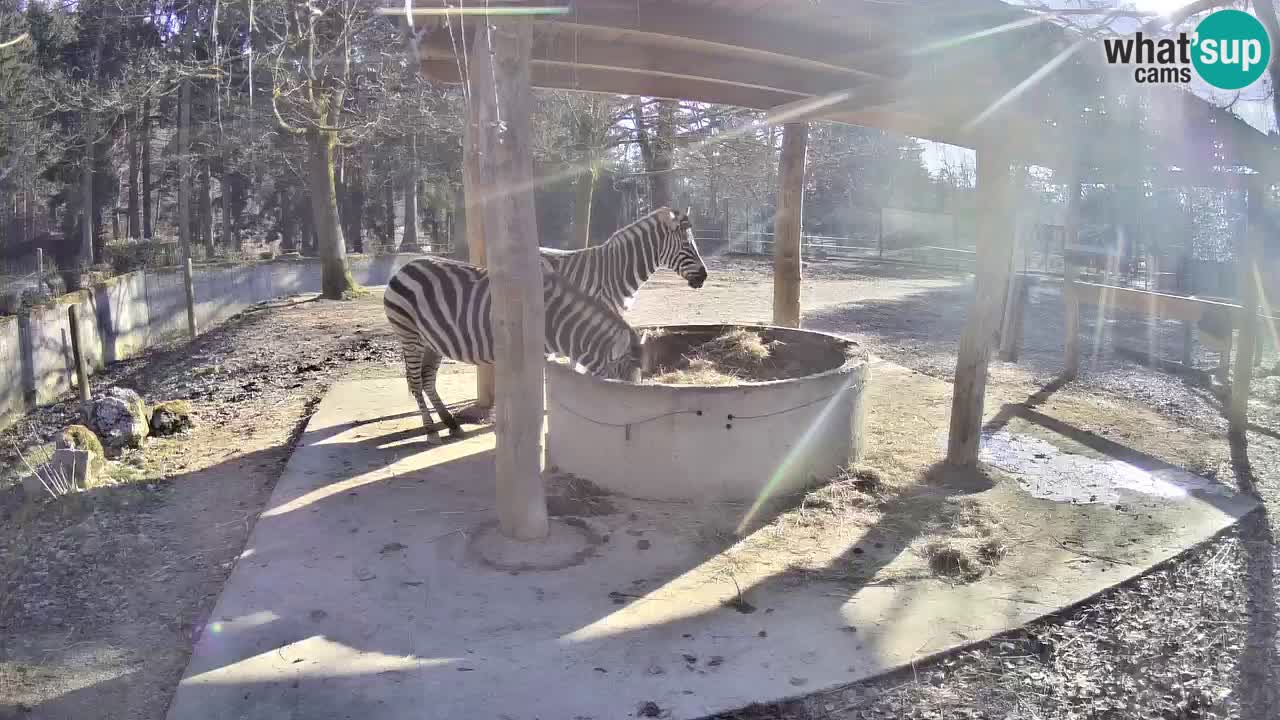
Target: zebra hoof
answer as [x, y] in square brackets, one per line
[433, 439]
[475, 415]
[457, 433]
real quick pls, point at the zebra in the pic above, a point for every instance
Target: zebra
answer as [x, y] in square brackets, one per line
[442, 308]
[616, 269]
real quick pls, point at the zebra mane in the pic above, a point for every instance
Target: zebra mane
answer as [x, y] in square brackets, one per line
[564, 285]
[648, 217]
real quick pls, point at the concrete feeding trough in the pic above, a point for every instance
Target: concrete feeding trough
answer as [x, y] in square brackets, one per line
[723, 412]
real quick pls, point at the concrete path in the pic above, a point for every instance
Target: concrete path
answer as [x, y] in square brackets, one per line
[357, 598]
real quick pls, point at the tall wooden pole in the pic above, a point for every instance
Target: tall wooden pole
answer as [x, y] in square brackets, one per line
[503, 115]
[1070, 301]
[1248, 262]
[788, 225]
[995, 244]
[475, 209]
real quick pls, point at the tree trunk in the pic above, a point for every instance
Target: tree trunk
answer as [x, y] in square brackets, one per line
[340, 193]
[228, 227]
[335, 276]
[288, 226]
[389, 206]
[409, 243]
[584, 188]
[135, 218]
[663, 149]
[184, 170]
[239, 199]
[646, 146]
[355, 206]
[148, 222]
[308, 244]
[86, 191]
[206, 210]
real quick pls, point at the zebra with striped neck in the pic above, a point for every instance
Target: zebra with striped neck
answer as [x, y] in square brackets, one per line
[616, 269]
[442, 308]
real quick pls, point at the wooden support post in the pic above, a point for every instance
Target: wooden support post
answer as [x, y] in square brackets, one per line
[40, 261]
[1014, 317]
[1260, 338]
[188, 281]
[1011, 308]
[1070, 302]
[77, 352]
[475, 225]
[880, 234]
[788, 225]
[502, 52]
[1187, 338]
[1248, 262]
[994, 254]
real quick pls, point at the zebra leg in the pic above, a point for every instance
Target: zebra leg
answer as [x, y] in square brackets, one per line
[430, 366]
[413, 355]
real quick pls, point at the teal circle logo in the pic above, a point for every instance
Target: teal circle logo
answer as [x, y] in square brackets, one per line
[1231, 49]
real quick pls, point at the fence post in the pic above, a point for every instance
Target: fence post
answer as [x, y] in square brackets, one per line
[77, 352]
[189, 282]
[40, 261]
[880, 232]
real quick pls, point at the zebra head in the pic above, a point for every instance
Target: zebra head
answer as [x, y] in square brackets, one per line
[624, 355]
[677, 250]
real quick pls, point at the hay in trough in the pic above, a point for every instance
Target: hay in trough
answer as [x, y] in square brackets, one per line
[696, 371]
[732, 357]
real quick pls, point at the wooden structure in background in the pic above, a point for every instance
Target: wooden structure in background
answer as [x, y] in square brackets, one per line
[502, 99]
[994, 255]
[475, 229]
[788, 225]
[1070, 299]
[1250, 280]
[938, 70]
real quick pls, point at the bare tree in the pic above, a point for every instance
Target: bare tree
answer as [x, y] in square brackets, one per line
[313, 78]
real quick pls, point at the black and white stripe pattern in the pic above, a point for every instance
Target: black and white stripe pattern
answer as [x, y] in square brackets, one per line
[616, 269]
[441, 308]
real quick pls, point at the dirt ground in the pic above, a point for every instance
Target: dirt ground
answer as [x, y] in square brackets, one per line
[102, 595]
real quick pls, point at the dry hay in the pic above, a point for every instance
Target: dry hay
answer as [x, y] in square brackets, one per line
[732, 357]
[570, 495]
[895, 527]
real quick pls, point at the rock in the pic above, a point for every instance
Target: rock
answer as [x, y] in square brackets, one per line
[119, 417]
[68, 467]
[171, 417]
[1268, 388]
[76, 466]
[79, 437]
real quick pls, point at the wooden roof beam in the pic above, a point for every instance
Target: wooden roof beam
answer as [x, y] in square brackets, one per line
[628, 55]
[614, 82]
[664, 21]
